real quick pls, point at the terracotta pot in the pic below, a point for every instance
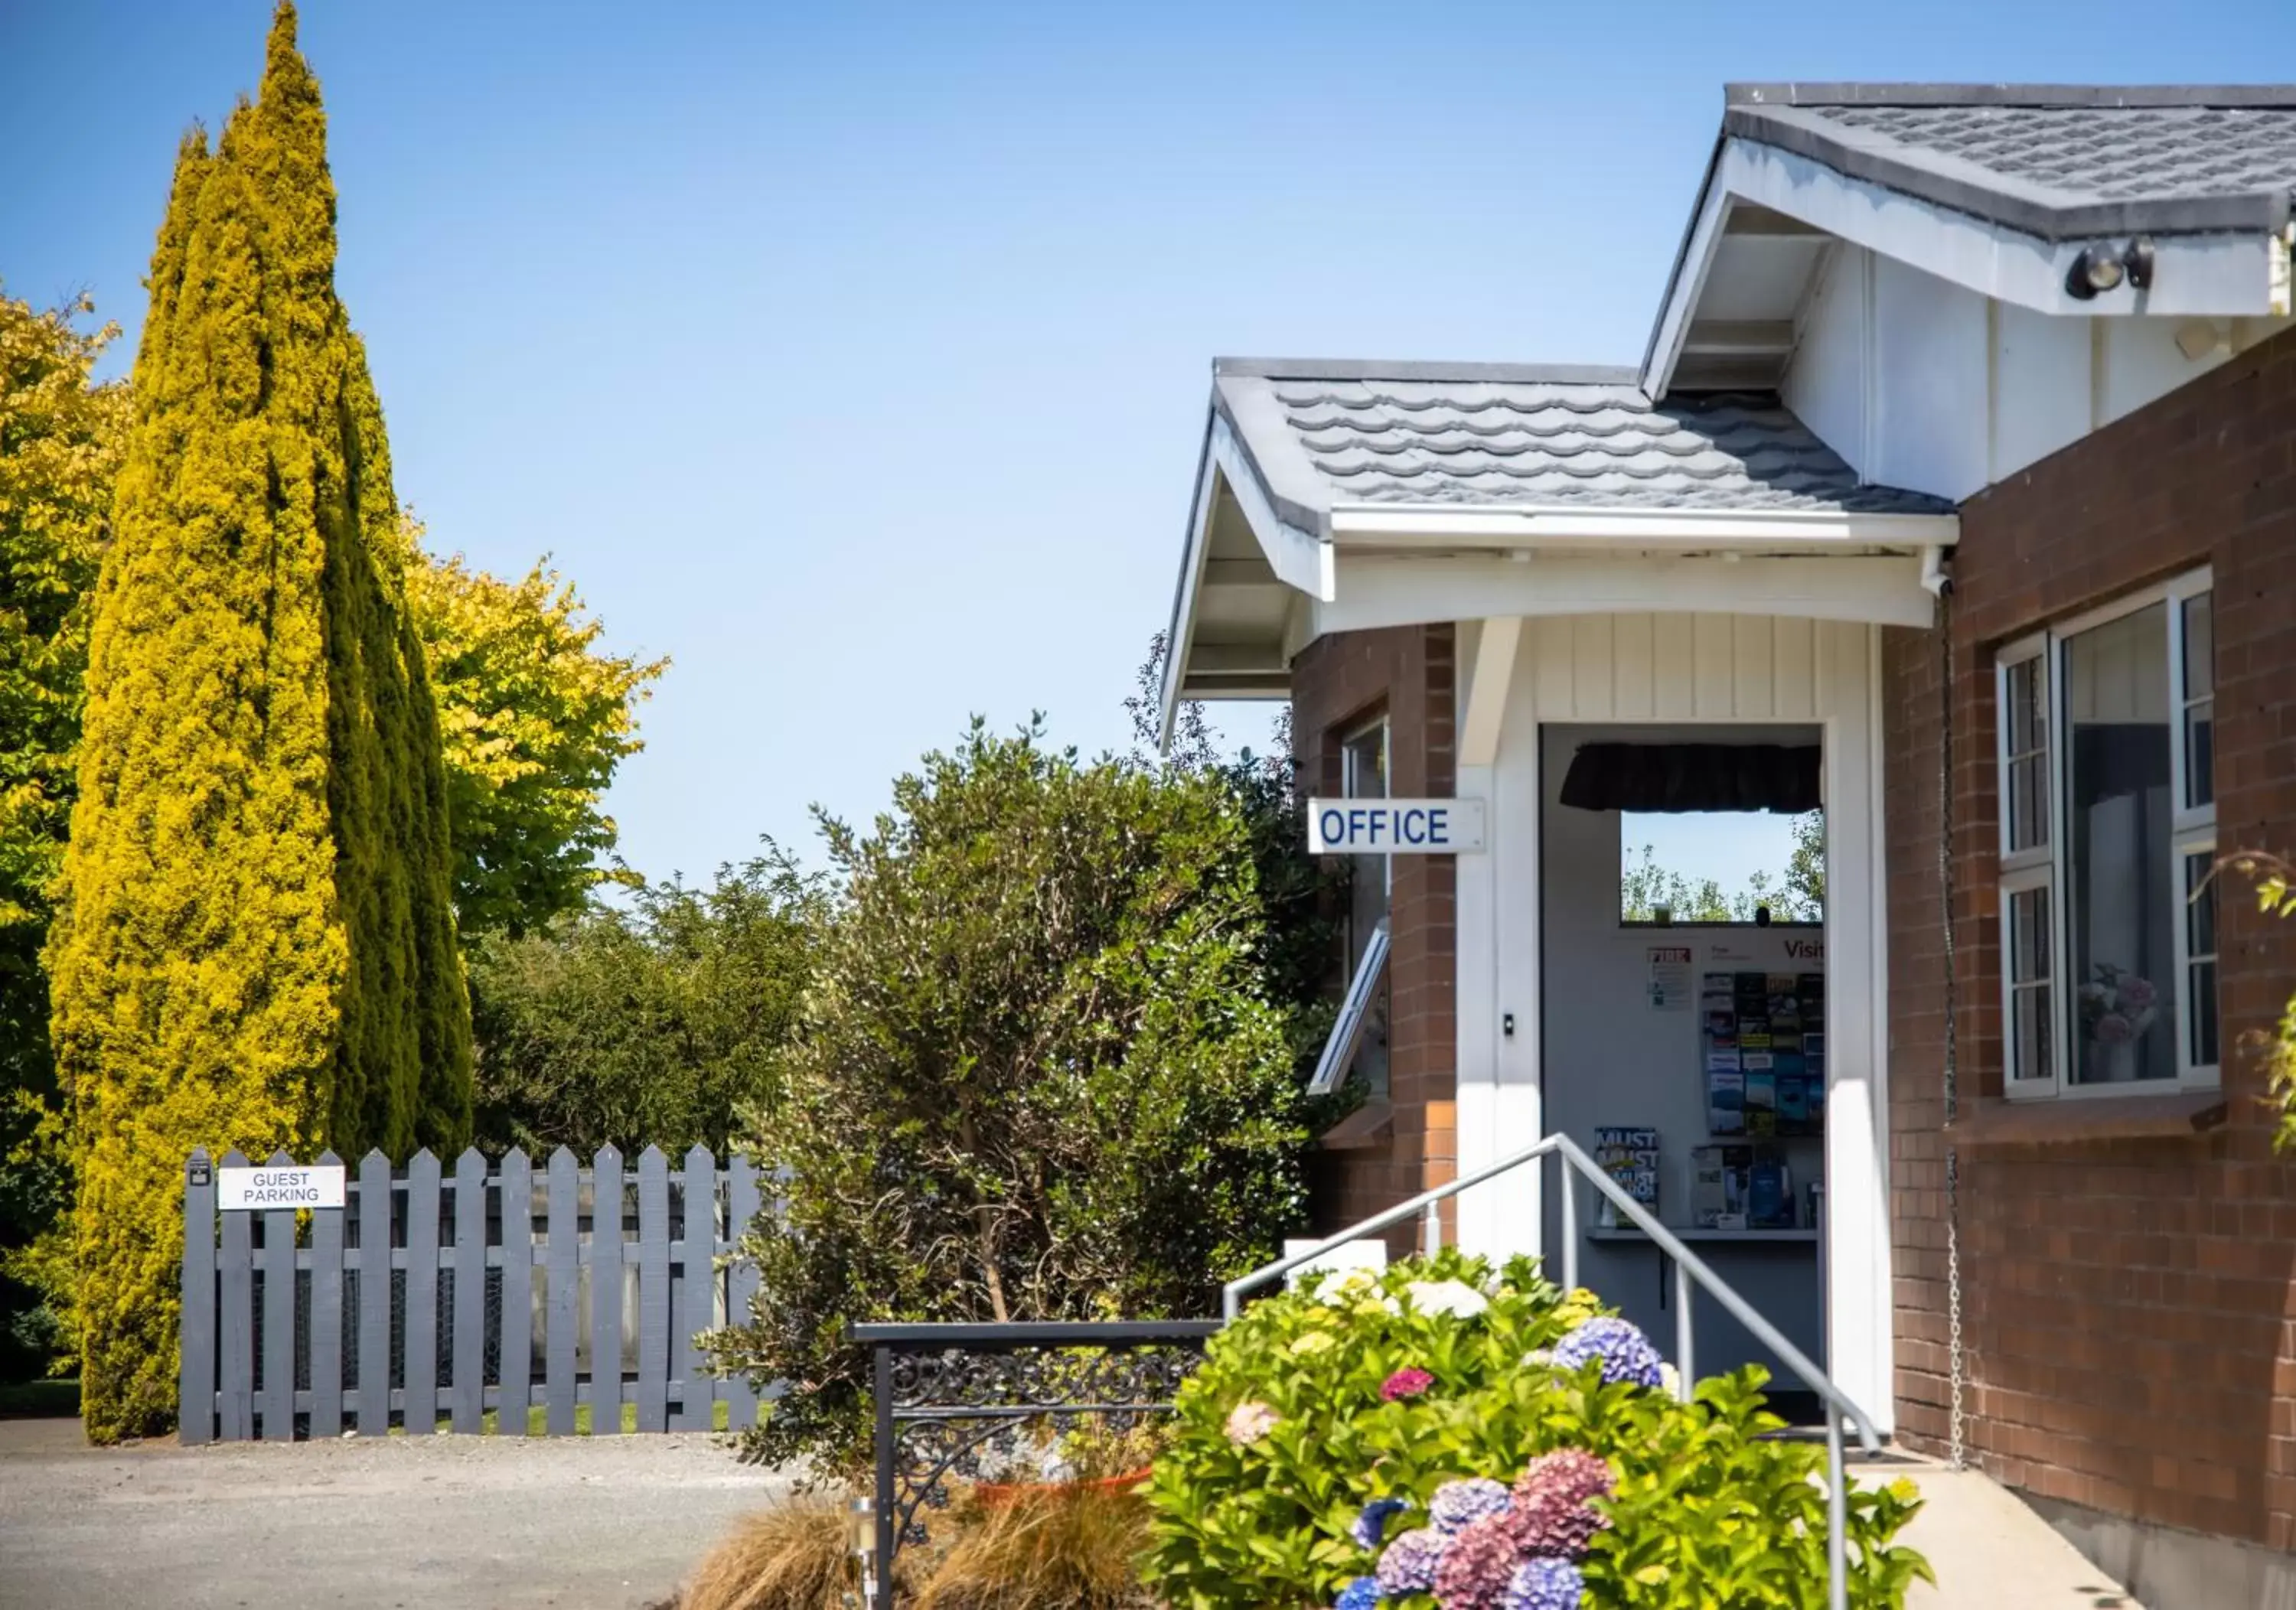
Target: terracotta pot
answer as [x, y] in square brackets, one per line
[997, 1495]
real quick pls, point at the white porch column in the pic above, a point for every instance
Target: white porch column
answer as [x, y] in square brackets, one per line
[1498, 1107]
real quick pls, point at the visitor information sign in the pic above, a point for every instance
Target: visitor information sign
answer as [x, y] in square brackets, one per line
[1394, 826]
[264, 1185]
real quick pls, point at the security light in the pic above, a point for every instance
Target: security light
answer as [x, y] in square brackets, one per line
[2103, 267]
[2097, 268]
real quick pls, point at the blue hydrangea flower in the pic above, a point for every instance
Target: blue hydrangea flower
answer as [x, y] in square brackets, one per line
[1458, 1505]
[1370, 1529]
[1361, 1594]
[1409, 1563]
[1627, 1355]
[1545, 1585]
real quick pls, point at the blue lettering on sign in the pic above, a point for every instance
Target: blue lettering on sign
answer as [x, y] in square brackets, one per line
[1441, 821]
[1333, 829]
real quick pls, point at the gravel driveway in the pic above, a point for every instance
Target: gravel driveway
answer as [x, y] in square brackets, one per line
[427, 1524]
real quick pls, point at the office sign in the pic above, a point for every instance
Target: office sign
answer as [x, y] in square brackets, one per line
[279, 1185]
[1394, 826]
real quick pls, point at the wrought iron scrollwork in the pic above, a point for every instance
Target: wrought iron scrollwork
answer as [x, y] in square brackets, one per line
[971, 1403]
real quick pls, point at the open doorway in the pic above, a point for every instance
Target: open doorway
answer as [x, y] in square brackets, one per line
[1684, 1023]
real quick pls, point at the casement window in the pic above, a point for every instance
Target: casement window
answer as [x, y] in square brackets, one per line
[2105, 727]
[1360, 1036]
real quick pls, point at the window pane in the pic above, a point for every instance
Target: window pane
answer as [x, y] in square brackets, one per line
[2026, 743]
[2031, 994]
[2201, 953]
[2029, 936]
[2200, 711]
[1363, 776]
[2121, 904]
[2029, 1048]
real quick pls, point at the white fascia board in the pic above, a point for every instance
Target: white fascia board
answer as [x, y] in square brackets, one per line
[1183, 625]
[2220, 275]
[1382, 590]
[1300, 558]
[1418, 526]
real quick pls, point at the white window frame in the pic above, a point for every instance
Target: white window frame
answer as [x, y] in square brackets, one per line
[2191, 832]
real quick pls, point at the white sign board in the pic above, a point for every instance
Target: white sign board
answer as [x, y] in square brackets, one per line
[281, 1185]
[1394, 826]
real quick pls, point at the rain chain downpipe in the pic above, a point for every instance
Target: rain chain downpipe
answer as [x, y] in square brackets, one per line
[1942, 586]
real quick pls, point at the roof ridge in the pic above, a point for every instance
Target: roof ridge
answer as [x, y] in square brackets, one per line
[2086, 96]
[1366, 369]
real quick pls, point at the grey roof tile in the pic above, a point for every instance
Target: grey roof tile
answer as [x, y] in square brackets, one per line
[2055, 160]
[1540, 443]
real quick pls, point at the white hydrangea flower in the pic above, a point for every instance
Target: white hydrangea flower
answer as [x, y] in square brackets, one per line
[1539, 1358]
[1669, 1380]
[1454, 1298]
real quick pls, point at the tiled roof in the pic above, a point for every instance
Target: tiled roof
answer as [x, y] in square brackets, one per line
[1492, 435]
[2051, 160]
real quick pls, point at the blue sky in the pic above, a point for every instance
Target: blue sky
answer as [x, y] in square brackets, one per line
[855, 357]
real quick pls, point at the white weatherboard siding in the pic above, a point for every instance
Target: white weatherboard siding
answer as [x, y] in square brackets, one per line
[1678, 669]
[1925, 384]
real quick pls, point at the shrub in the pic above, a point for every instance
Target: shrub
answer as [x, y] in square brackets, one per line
[792, 1556]
[1069, 1547]
[658, 1022]
[1309, 1457]
[1038, 1077]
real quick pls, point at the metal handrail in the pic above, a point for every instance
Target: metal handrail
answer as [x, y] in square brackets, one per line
[1689, 1269]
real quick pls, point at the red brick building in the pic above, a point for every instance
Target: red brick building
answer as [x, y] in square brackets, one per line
[1956, 492]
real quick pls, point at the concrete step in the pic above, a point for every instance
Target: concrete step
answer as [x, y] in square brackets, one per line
[1989, 1550]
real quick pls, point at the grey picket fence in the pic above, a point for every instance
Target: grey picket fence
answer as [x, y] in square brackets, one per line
[429, 1299]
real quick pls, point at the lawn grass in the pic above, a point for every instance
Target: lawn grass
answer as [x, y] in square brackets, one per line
[538, 1419]
[51, 1399]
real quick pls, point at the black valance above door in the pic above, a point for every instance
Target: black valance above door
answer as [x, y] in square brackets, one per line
[1682, 777]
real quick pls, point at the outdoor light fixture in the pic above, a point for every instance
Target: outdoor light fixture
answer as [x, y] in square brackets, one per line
[2101, 268]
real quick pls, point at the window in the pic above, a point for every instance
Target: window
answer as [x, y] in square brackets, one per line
[1363, 775]
[2108, 825]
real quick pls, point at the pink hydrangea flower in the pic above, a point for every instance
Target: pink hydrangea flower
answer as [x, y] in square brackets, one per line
[1475, 1570]
[1405, 1384]
[1553, 1518]
[1248, 1422]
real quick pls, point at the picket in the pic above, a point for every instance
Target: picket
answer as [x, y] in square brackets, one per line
[740, 1285]
[467, 1390]
[565, 1312]
[606, 1294]
[699, 1290]
[375, 1295]
[516, 1366]
[235, 1351]
[196, 1372]
[653, 1291]
[419, 1343]
[327, 1315]
[278, 1317]
[307, 1287]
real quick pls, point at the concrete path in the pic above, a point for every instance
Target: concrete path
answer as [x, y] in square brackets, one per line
[396, 1524]
[1992, 1553]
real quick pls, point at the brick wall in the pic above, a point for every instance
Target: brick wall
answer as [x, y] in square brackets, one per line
[2127, 1303]
[1338, 684]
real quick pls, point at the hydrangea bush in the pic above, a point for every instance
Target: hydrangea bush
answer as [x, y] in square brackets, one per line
[1446, 1435]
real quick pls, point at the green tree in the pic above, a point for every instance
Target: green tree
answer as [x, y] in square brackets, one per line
[60, 442]
[1796, 894]
[1038, 1078]
[657, 1024]
[258, 947]
[535, 716]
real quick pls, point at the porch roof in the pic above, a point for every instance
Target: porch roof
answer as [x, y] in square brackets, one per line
[1321, 436]
[2052, 160]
